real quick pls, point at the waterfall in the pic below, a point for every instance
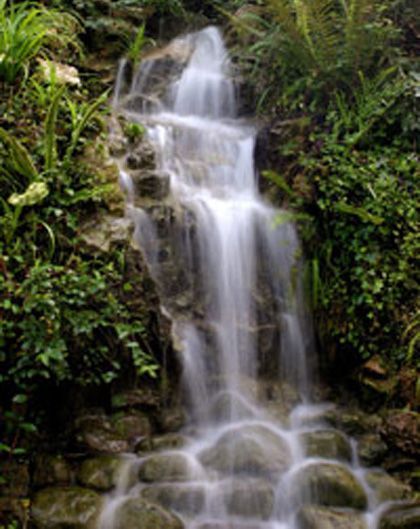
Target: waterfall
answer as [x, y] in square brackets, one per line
[228, 268]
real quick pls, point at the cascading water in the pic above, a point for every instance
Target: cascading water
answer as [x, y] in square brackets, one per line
[228, 270]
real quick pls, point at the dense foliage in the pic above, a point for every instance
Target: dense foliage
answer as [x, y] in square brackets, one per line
[339, 80]
[63, 315]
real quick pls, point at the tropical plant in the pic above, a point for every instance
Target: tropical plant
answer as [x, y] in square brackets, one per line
[27, 29]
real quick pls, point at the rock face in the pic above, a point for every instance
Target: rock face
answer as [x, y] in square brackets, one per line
[322, 518]
[330, 444]
[402, 516]
[329, 485]
[139, 514]
[254, 450]
[67, 507]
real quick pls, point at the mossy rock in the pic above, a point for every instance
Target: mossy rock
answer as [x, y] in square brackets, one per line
[330, 485]
[65, 508]
[311, 517]
[386, 487]
[132, 426]
[173, 466]
[100, 473]
[401, 516]
[254, 450]
[371, 449]
[136, 513]
[329, 444]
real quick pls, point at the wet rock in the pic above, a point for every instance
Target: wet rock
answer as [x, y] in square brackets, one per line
[51, 469]
[371, 449]
[142, 158]
[172, 466]
[96, 434]
[401, 516]
[329, 444]
[322, 518]
[254, 450]
[132, 426]
[251, 498]
[99, 473]
[67, 507]
[185, 498]
[150, 184]
[329, 485]
[161, 442]
[402, 430]
[386, 487]
[136, 513]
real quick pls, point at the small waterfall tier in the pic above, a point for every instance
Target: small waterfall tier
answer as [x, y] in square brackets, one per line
[228, 268]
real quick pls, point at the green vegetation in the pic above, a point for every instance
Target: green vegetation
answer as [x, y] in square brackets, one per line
[64, 315]
[339, 80]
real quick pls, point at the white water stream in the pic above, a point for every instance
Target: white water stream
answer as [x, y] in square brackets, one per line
[230, 250]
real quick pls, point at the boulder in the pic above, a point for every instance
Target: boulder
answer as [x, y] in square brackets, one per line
[328, 484]
[386, 487]
[171, 466]
[329, 444]
[311, 517]
[136, 513]
[251, 449]
[186, 498]
[371, 449]
[99, 473]
[401, 516]
[66, 507]
[250, 498]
